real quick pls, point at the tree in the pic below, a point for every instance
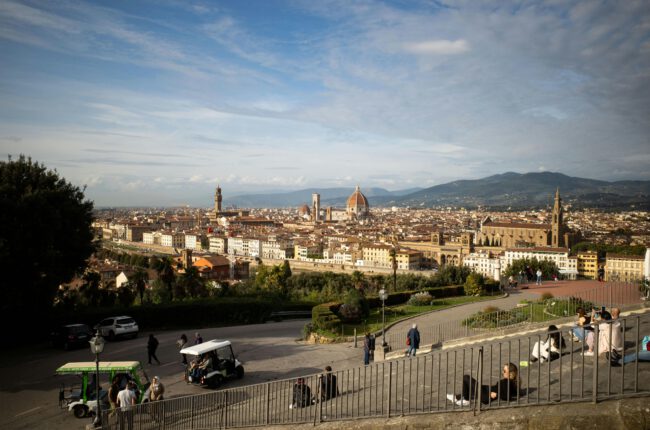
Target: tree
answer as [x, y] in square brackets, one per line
[45, 235]
[165, 273]
[90, 289]
[474, 284]
[139, 281]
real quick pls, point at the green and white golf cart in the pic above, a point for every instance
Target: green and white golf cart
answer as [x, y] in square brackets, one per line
[81, 398]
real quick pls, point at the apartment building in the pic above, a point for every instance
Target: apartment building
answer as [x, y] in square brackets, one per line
[624, 268]
[485, 263]
[218, 244]
[377, 256]
[194, 241]
[151, 237]
[588, 264]
[277, 248]
[567, 266]
[134, 232]
[172, 239]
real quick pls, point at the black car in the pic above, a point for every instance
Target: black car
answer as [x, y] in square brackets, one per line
[71, 336]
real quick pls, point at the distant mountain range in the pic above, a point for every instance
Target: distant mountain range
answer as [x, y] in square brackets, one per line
[507, 190]
[328, 197]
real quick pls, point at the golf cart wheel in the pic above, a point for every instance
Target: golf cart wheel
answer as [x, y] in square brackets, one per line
[239, 371]
[80, 411]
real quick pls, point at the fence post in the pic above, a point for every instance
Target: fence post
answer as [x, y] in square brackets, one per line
[479, 378]
[355, 337]
[530, 312]
[390, 384]
[594, 389]
[192, 413]
[268, 402]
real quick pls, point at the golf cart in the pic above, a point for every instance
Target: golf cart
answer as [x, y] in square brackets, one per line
[213, 363]
[81, 399]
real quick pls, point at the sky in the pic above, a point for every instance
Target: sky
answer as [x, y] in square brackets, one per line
[153, 103]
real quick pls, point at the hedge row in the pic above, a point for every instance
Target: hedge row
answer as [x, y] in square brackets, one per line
[325, 316]
[198, 313]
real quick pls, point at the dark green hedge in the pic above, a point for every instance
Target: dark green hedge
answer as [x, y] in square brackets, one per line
[196, 313]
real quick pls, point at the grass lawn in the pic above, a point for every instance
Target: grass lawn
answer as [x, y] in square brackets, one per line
[399, 312]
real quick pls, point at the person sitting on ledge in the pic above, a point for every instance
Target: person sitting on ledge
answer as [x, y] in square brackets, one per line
[506, 389]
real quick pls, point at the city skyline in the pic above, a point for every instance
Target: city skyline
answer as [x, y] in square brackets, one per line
[154, 103]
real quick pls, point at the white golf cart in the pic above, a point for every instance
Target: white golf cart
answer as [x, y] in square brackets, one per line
[213, 363]
[81, 398]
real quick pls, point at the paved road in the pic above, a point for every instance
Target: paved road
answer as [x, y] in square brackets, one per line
[29, 390]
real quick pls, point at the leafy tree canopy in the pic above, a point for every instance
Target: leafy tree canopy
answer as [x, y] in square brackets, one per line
[45, 234]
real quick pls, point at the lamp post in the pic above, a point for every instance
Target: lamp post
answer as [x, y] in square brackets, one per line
[383, 296]
[96, 347]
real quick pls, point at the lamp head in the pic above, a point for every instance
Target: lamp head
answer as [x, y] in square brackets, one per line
[97, 344]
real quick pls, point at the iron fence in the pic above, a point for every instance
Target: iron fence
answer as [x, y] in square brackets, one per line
[413, 385]
[611, 294]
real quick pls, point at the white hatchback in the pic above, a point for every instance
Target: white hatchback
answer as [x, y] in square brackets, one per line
[114, 327]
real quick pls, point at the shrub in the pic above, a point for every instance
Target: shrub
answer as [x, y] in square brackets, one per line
[490, 309]
[474, 285]
[354, 308]
[307, 329]
[420, 299]
[546, 296]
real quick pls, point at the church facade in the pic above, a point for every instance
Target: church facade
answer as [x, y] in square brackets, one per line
[521, 235]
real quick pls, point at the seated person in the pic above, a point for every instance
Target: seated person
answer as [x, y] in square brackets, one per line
[506, 389]
[604, 319]
[301, 395]
[196, 368]
[551, 348]
[582, 326]
[642, 355]
[328, 389]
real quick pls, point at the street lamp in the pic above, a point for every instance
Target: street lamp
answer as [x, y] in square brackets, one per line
[96, 347]
[383, 296]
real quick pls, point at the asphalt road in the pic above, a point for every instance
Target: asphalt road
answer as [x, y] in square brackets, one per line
[29, 388]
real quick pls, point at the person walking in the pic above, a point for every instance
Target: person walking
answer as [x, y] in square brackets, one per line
[152, 346]
[112, 394]
[539, 277]
[197, 338]
[366, 349]
[413, 340]
[181, 342]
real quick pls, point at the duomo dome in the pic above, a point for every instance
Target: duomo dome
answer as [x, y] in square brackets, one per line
[357, 205]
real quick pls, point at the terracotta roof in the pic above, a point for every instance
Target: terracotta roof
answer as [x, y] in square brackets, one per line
[357, 199]
[518, 225]
[539, 249]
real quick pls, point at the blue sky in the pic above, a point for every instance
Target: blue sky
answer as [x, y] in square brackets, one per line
[155, 102]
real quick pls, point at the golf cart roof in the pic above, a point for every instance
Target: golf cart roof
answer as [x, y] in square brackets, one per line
[204, 347]
[104, 366]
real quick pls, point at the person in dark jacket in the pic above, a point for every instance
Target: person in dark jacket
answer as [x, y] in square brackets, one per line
[506, 389]
[301, 395]
[413, 340]
[366, 349]
[152, 346]
[328, 389]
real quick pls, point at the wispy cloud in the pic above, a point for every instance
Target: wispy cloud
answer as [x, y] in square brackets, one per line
[438, 47]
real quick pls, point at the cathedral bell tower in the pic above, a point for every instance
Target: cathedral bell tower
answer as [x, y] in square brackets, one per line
[217, 200]
[557, 233]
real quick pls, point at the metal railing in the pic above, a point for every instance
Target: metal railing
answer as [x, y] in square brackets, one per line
[412, 386]
[611, 294]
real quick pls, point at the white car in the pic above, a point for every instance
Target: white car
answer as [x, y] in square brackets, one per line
[122, 326]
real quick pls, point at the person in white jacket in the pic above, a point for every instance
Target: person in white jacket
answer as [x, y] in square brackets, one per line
[549, 349]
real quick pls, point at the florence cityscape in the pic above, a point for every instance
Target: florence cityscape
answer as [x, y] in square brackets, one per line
[226, 214]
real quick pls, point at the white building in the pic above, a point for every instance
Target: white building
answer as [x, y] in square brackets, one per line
[151, 237]
[485, 263]
[218, 244]
[568, 266]
[193, 241]
[172, 240]
[277, 248]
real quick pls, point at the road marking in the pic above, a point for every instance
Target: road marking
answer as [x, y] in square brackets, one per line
[28, 411]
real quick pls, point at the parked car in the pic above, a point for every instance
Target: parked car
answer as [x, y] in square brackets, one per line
[114, 327]
[71, 336]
